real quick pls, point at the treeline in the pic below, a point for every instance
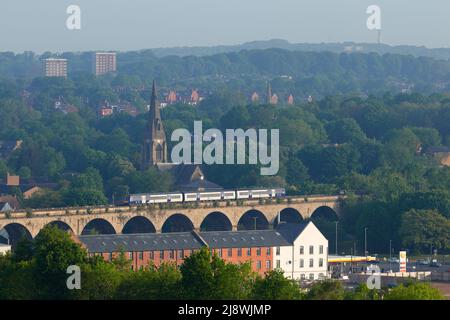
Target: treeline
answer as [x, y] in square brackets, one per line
[38, 270]
[312, 73]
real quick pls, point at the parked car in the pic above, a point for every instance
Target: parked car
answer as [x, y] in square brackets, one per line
[435, 264]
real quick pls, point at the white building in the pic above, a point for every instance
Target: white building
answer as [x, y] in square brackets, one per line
[307, 256]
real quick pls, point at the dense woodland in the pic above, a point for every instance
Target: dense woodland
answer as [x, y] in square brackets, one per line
[367, 146]
[37, 270]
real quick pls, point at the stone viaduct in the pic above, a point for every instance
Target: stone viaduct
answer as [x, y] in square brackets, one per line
[231, 215]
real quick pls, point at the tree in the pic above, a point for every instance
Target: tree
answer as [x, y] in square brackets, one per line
[151, 284]
[54, 252]
[362, 292]
[414, 291]
[422, 228]
[326, 290]
[345, 130]
[275, 286]
[197, 276]
[99, 280]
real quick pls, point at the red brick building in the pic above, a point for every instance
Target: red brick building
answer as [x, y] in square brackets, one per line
[256, 247]
[299, 250]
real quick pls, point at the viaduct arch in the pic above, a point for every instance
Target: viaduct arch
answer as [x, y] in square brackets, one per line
[207, 216]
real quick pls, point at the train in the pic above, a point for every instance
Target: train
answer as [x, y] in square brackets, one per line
[175, 197]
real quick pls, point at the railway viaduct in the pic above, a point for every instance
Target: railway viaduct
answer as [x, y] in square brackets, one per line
[210, 216]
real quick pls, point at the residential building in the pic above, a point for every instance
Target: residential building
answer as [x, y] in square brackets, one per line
[55, 67]
[290, 100]
[441, 154]
[5, 207]
[105, 62]
[307, 256]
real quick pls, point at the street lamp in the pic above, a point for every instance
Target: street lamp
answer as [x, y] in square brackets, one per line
[336, 236]
[254, 218]
[390, 255]
[365, 241]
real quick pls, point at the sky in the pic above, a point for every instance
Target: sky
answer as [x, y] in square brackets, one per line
[40, 25]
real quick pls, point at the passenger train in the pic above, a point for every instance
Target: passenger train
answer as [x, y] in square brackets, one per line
[149, 198]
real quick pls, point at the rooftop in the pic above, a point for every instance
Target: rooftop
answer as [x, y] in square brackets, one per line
[284, 235]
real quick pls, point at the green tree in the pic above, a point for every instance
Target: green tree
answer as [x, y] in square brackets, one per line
[55, 251]
[326, 290]
[414, 291]
[422, 228]
[197, 276]
[275, 286]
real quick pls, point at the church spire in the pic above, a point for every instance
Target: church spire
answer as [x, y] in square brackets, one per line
[154, 148]
[154, 106]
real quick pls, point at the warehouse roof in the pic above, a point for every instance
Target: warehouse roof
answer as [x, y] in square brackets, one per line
[283, 235]
[141, 242]
[244, 239]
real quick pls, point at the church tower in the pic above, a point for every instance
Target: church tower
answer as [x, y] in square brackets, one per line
[154, 148]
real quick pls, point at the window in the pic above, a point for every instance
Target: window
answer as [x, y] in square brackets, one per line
[320, 262]
[172, 254]
[311, 263]
[161, 254]
[278, 264]
[311, 276]
[258, 252]
[141, 255]
[268, 264]
[302, 263]
[150, 255]
[321, 276]
[239, 252]
[230, 252]
[219, 251]
[258, 265]
[180, 254]
[110, 256]
[302, 250]
[311, 249]
[249, 252]
[278, 251]
[159, 148]
[268, 251]
[303, 276]
[321, 249]
[131, 255]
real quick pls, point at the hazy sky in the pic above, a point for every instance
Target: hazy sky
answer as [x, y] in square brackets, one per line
[40, 25]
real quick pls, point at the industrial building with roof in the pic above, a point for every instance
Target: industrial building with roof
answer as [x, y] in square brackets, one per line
[300, 250]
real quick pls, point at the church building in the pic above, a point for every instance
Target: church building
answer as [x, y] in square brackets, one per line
[188, 177]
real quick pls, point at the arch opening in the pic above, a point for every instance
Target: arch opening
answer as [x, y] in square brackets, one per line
[61, 225]
[98, 226]
[13, 233]
[325, 220]
[253, 220]
[288, 215]
[324, 213]
[138, 224]
[216, 221]
[177, 223]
